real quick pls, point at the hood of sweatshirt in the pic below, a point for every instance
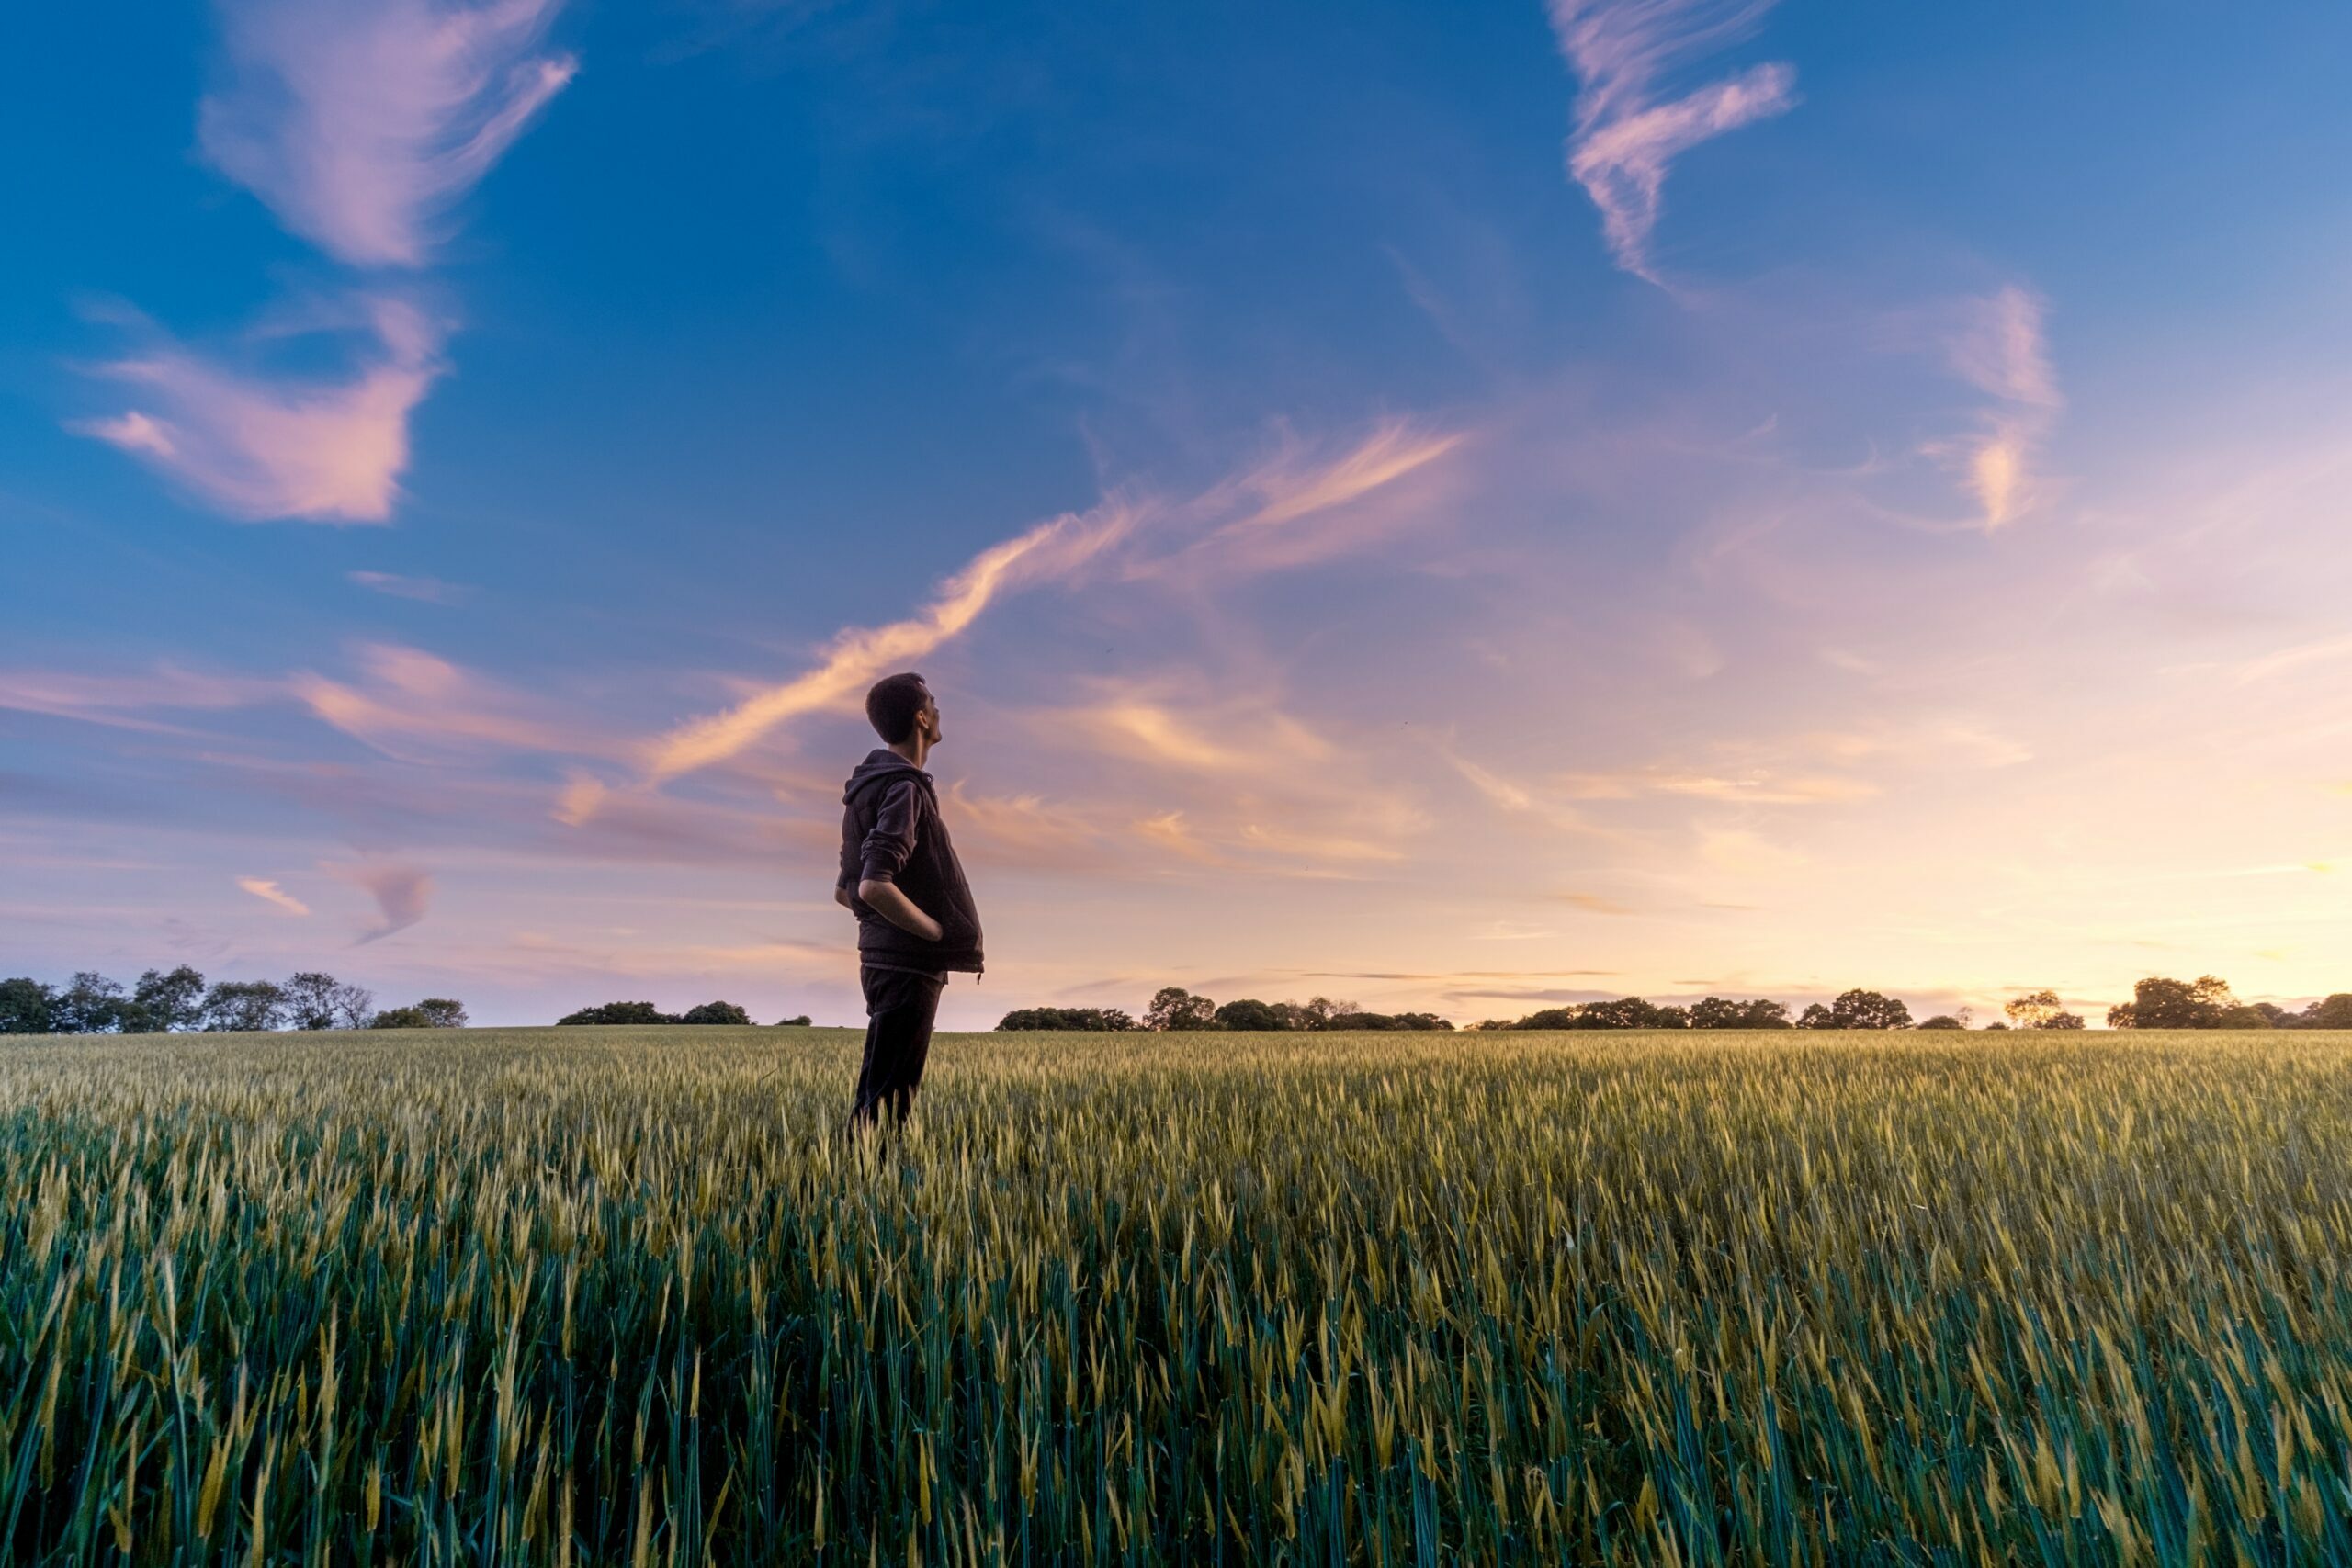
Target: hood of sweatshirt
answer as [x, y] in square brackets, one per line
[880, 766]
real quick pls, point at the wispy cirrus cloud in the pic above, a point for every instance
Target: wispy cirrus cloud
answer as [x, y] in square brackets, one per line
[1148, 722]
[1301, 505]
[424, 590]
[268, 892]
[259, 447]
[857, 656]
[1996, 345]
[1752, 788]
[359, 122]
[119, 700]
[410, 702]
[1293, 486]
[1262, 502]
[1627, 136]
[402, 894]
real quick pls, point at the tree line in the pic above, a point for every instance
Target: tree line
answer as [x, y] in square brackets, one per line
[2157, 1003]
[1176, 1008]
[646, 1013]
[2206, 1003]
[179, 1001]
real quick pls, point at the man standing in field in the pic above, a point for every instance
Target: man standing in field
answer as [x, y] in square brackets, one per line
[900, 878]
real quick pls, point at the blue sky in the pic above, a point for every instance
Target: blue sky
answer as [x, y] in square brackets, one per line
[1454, 508]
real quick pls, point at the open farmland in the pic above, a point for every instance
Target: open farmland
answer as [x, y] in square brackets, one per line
[624, 1296]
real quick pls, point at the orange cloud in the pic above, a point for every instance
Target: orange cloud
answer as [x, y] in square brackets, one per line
[270, 893]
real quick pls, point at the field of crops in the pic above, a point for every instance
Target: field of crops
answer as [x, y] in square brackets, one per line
[628, 1296]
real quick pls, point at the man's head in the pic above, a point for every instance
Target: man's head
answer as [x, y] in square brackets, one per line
[901, 709]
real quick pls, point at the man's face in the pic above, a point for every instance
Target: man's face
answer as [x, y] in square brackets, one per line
[927, 721]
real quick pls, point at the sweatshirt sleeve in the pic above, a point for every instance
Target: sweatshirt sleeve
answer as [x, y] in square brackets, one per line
[892, 838]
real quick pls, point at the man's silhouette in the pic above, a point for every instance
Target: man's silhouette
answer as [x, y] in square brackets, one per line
[900, 878]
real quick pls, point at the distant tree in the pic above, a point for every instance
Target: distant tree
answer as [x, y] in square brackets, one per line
[799, 1023]
[1631, 1013]
[2028, 1011]
[618, 1013]
[716, 1012]
[1868, 1010]
[2242, 1016]
[401, 1017]
[1316, 1012]
[353, 1006]
[1097, 1020]
[250, 1005]
[2040, 1009]
[2334, 1012]
[162, 1002]
[1941, 1021]
[2161, 1003]
[1249, 1014]
[27, 1006]
[91, 1005]
[447, 1012]
[1723, 1012]
[1174, 1008]
[1548, 1018]
[311, 999]
[1996, 1023]
[1816, 1016]
[1393, 1020]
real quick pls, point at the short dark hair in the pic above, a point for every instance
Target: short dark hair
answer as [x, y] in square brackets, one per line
[892, 704]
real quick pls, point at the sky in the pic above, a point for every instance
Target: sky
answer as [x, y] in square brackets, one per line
[1464, 508]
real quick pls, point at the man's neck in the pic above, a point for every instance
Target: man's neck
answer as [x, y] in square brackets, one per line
[914, 749]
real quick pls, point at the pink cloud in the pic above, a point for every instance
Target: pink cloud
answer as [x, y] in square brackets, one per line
[410, 702]
[360, 122]
[402, 893]
[258, 447]
[114, 699]
[1627, 139]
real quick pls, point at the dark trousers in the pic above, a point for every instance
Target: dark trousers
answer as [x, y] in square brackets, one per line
[900, 1007]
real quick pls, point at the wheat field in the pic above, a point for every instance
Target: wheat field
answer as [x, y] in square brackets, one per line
[629, 1296]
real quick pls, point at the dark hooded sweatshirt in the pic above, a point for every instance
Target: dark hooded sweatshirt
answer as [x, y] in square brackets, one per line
[891, 832]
